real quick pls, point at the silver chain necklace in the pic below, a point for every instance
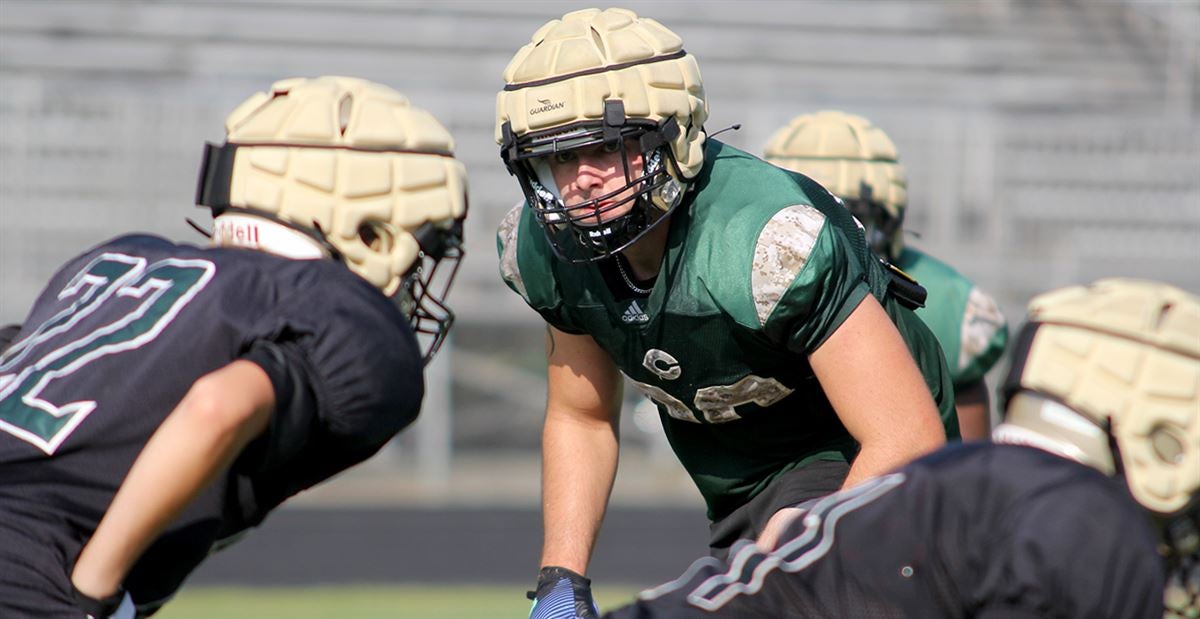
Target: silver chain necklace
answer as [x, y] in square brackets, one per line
[628, 280]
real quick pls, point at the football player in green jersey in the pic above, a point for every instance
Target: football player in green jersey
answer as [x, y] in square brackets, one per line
[857, 162]
[744, 303]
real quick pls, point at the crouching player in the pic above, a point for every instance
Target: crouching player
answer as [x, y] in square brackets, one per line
[161, 398]
[1102, 430]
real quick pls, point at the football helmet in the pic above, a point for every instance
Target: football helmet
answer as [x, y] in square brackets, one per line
[602, 78]
[857, 162]
[1109, 374]
[354, 166]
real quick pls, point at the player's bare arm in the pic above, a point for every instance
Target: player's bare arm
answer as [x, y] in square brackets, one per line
[878, 392]
[579, 446]
[221, 413]
[974, 415]
[892, 415]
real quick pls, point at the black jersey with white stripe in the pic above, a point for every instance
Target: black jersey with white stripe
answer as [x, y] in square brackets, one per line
[119, 336]
[977, 530]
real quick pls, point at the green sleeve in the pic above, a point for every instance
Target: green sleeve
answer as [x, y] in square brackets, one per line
[506, 248]
[524, 267]
[828, 287]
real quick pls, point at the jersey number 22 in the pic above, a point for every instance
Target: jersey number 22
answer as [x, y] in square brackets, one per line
[150, 295]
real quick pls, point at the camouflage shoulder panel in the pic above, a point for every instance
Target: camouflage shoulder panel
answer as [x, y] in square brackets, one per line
[981, 322]
[506, 237]
[782, 250]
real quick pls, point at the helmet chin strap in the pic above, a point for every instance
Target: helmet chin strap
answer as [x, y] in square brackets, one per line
[546, 189]
[546, 177]
[253, 232]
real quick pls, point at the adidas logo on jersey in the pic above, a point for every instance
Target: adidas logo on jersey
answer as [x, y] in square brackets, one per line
[634, 315]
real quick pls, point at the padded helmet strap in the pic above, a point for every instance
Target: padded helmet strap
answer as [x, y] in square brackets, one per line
[614, 119]
[668, 130]
[216, 170]
[508, 146]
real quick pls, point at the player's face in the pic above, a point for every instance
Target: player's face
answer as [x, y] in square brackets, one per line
[588, 173]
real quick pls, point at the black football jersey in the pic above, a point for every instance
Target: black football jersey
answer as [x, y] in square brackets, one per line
[977, 530]
[119, 336]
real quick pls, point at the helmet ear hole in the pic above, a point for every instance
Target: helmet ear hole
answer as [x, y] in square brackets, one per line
[377, 236]
[1166, 445]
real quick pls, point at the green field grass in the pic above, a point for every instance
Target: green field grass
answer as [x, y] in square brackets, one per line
[378, 602]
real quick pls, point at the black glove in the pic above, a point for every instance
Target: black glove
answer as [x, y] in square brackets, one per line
[562, 594]
[99, 609]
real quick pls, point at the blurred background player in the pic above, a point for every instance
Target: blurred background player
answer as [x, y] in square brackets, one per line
[746, 307]
[243, 373]
[1102, 429]
[857, 162]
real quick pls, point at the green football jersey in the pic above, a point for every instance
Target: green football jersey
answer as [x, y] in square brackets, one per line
[966, 321]
[759, 271]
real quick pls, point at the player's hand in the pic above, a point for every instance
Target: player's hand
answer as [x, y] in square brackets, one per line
[562, 594]
[773, 532]
[116, 606]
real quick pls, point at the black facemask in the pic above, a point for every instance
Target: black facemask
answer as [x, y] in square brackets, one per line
[578, 232]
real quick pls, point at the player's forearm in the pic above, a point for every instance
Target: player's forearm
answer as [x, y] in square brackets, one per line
[895, 422]
[579, 463]
[907, 430]
[878, 392]
[198, 441]
[883, 454]
[873, 461]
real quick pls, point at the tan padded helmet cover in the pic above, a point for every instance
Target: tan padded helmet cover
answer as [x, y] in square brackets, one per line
[1129, 350]
[842, 152]
[338, 152]
[591, 40]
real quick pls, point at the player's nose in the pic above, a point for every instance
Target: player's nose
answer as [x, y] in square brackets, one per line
[595, 169]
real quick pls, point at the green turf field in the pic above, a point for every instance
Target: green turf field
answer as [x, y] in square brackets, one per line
[382, 602]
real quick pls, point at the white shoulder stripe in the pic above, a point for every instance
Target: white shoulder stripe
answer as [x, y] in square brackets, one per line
[509, 269]
[782, 250]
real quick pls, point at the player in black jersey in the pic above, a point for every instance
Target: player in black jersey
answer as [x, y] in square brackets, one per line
[162, 398]
[1093, 474]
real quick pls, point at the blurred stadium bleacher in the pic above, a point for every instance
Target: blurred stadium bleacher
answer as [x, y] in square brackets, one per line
[1046, 143]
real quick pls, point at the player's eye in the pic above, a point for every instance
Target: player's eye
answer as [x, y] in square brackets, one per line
[563, 157]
